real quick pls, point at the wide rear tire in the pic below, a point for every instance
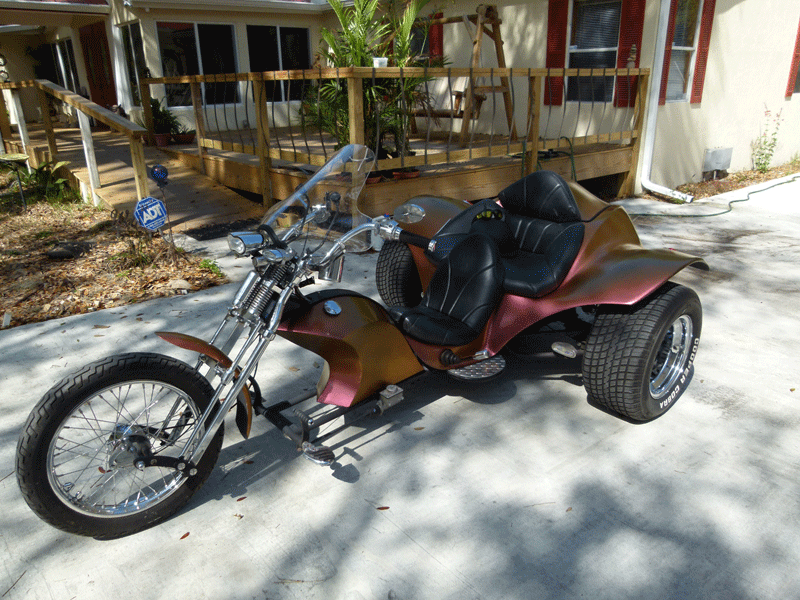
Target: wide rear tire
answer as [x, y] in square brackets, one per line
[639, 361]
[77, 454]
[396, 276]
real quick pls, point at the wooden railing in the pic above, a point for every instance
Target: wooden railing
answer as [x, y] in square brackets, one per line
[85, 110]
[251, 121]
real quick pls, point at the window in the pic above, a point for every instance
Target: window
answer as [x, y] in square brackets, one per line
[593, 34]
[794, 73]
[134, 58]
[190, 49]
[279, 49]
[684, 46]
[594, 38]
[64, 60]
[686, 54]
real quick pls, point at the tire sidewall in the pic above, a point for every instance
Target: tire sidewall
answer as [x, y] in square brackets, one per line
[32, 470]
[685, 303]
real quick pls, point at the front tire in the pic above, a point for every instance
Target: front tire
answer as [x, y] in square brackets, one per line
[78, 452]
[639, 361]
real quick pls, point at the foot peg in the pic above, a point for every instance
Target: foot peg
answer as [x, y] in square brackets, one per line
[321, 455]
[484, 369]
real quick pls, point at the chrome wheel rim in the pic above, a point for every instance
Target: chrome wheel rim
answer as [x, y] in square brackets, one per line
[672, 357]
[92, 459]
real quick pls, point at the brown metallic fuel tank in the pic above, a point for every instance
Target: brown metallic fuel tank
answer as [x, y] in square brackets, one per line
[365, 352]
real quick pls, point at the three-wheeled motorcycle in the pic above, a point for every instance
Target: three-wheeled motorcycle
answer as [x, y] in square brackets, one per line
[124, 443]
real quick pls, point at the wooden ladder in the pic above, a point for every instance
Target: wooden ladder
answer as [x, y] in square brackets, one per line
[487, 22]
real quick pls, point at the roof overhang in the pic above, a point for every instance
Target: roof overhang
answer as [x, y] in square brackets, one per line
[57, 7]
[280, 6]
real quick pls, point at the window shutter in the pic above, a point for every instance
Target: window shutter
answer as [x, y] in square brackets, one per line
[795, 66]
[557, 16]
[673, 9]
[706, 20]
[436, 38]
[630, 34]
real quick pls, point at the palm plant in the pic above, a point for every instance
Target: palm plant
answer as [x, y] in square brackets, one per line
[386, 101]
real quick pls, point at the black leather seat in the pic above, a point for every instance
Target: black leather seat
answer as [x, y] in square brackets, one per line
[460, 298]
[545, 221]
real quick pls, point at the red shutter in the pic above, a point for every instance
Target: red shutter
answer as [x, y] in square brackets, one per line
[436, 38]
[795, 66]
[630, 33]
[557, 15]
[662, 96]
[706, 21]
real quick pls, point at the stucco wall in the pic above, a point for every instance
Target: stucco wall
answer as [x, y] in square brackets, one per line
[748, 68]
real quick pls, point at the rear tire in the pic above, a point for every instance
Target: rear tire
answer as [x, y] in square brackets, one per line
[77, 452]
[639, 361]
[396, 276]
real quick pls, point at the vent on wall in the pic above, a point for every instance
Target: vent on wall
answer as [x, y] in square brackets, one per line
[716, 162]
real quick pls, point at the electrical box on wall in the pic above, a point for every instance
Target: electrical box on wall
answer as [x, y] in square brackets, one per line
[717, 159]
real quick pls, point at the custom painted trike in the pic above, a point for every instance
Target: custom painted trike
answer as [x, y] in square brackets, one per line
[125, 442]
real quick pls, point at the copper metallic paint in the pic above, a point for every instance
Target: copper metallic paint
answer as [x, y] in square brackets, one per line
[612, 267]
[244, 403]
[364, 350]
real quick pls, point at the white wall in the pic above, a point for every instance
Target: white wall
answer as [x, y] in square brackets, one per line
[748, 69]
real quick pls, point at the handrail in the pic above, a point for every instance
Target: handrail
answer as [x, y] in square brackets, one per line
[562, 125]
[86, 109]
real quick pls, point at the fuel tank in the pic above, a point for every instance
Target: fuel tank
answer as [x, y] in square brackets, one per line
[363, 350]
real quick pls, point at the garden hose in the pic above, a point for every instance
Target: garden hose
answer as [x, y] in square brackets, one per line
[730, 203]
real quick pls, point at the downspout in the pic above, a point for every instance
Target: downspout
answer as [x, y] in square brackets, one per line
[652, 109]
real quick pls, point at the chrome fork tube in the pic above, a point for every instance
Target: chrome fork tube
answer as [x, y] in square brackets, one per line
[220, 409]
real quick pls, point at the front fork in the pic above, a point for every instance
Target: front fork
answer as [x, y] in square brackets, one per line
[233, 379]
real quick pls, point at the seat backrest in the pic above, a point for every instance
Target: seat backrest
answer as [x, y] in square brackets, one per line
[541, 195]
[467, 285]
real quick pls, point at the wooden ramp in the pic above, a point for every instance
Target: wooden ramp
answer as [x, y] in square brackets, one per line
[193, 199]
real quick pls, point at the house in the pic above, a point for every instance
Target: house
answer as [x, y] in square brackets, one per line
[723, 71]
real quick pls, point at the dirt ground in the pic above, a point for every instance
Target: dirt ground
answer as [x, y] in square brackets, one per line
[97, 260]
[117, 263]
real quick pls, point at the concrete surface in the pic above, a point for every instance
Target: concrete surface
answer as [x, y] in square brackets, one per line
[515, 489]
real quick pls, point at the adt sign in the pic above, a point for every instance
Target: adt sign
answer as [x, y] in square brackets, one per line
[150, 213]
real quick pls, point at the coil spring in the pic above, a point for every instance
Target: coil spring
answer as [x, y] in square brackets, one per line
[260, 295]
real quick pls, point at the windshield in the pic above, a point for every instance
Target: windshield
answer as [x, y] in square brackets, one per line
[336, 185]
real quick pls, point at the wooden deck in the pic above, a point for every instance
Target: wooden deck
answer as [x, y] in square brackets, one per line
[193, 199]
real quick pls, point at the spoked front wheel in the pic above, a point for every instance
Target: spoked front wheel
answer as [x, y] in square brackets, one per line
[97, 455]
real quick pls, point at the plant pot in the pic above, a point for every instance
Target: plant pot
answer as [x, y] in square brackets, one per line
[183, 138]
[405, 174]
[161, 139]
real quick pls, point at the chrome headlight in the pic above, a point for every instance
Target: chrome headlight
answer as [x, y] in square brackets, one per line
[245, 242]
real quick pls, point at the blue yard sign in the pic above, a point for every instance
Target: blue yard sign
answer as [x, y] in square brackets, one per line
[150, 213]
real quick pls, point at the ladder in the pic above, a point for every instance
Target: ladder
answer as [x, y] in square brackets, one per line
[486, 22]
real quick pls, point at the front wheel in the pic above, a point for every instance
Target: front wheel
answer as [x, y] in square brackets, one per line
[639, 361]
[83, 453]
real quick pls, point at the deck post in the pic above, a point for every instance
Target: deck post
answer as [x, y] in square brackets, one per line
[16, 113]
[5, 123]
[199, 124]
[629, 183]
[48, 123]
[355, 106]
[91, 159]
[147, 111]
[139, 166]
[262, 131]
[534, 94]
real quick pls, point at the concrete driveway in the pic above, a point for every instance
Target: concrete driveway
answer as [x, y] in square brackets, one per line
[514, 489]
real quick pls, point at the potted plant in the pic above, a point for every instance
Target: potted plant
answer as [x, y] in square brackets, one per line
[164, 122]
[183, 135]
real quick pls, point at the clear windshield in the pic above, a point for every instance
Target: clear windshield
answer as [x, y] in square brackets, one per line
[336, 185]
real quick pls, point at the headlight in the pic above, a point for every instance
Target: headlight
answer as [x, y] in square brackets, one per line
[244, 242]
